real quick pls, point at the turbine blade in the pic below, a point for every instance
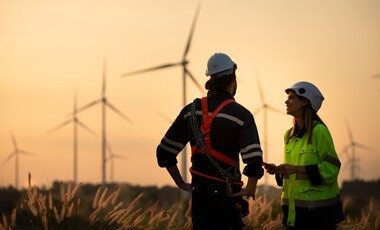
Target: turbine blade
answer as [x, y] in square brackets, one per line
[376, 76]
[362, 146]
[111, 155]
[195, 81]
[150, 69]
[275, 109]
[345, 150]
[75, 101]
[60, 126]
[26, 152]
[7, 158]
[166, 118]
[104, 77]
[119, 112]
[13, 140]
[192, 31]
[258, 110]
[118, 156]
[349, 132]
[86, 128]
[85, 107]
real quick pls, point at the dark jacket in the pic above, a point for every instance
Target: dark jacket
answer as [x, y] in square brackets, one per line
[233, 132]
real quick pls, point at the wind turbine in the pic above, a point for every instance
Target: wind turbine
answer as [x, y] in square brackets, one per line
[350, 151]
[105, 103]
[74, 119]
[186, 73]
[265, 107]
[15, 153]
[111, 158]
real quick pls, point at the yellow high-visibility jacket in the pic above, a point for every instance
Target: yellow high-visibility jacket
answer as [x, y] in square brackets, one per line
[318, 188]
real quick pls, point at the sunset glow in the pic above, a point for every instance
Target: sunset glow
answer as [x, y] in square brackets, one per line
[51, 49]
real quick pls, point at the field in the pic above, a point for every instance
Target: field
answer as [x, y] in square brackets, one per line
[66, 206]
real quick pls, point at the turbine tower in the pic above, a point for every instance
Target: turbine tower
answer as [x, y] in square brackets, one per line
[105, 104]
[74, 119]
[185, 73]
[265, 107]
[15, 153]
[350, 151]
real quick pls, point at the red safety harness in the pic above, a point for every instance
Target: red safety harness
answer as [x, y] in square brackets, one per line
[205, 129]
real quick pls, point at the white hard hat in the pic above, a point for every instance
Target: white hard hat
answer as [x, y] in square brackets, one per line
[220, 64]
[310, 91]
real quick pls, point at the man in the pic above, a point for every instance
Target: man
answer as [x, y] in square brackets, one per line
[219, 129]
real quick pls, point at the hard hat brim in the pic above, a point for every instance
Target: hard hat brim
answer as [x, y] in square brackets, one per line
[222, 73]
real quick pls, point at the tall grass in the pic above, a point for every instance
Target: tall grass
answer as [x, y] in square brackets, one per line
[39, 210]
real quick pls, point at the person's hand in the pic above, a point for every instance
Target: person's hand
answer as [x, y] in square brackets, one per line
[185, 186]
[245, 192]
[249, 190]
[288, 169]
[242, 208]
[270, 168]
[177, 178]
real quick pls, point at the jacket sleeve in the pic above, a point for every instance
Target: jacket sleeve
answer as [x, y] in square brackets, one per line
[173, 142]
[327, 170]
[251, 152]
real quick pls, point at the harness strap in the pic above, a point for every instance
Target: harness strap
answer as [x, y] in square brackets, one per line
[205, 128]
[202, 135]
[218, 155]
[193, 171]
[207, 120]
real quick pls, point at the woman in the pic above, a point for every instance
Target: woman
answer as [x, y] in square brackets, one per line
[309, 175]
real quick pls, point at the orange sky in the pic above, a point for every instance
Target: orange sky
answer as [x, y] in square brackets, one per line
[49, 49]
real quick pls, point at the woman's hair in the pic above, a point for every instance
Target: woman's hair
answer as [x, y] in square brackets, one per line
[215, 83]
[309, 116]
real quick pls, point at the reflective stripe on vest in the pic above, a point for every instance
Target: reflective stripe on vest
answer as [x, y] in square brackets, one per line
[299, 176]
[312, 203]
